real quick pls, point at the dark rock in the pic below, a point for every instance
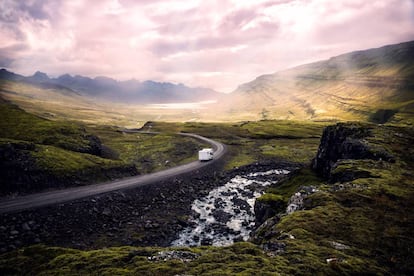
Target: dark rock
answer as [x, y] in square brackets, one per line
[106, 212]
[26, 227]
[345, 141]
[221, 216]
[206, 241]
[276, 248]
[242, 204]
[267, 209]
[219, 203]
[238, 239]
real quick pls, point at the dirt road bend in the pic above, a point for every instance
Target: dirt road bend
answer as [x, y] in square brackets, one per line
[69, 194]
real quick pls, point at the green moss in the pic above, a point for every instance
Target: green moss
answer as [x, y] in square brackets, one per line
[270, 197]
[62, 162]
[149, 152]
[287, 187]
[19, 125]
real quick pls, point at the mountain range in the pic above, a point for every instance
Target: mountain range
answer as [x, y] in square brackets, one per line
[130, 91]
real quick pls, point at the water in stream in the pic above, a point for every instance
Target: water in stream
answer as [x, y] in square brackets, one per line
[226, 214]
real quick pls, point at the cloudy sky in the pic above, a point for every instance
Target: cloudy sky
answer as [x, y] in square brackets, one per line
[211, 43]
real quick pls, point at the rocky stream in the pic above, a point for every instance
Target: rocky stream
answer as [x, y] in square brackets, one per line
[203, 207]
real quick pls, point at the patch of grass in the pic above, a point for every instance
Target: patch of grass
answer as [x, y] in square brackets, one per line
[149, 152]
[287, 187]
[250, 141]
[269, 197]
[19, 125]
[67, 163]
[241, 258]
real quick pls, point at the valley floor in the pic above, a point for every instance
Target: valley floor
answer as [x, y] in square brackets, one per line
[350, 214]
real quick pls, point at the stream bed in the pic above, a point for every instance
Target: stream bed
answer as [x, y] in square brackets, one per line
[226, 214]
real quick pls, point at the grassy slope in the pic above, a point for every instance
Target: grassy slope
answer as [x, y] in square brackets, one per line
[60, 153]
[253, 141]
[149, 152]
[348, 87]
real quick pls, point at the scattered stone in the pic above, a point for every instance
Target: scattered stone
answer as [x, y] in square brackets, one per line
[335, 260]
[183, 256]
[274, 248]
[106, 212]
[296, 201]
[339, 246]
[284, 236]
[221, 216]
[26, 227]
[242, 204]
[206, 241]
[226, 213]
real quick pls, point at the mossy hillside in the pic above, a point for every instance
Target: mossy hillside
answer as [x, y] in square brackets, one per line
[238, 259]
[248, 129]
[19, 125]
[371, 215]
[67, 163]
[28, 167]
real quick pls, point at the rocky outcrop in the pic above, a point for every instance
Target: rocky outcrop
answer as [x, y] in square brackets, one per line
[345, 153]
[267, 207]
[345, 141]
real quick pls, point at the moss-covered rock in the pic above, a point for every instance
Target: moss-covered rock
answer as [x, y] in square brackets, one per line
[346, 141]
[268, 205]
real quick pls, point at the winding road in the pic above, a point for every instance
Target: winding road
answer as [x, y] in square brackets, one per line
[60, 196]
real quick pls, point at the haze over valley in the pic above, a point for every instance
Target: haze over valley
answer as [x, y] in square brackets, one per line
[354, 86]
[193, 137]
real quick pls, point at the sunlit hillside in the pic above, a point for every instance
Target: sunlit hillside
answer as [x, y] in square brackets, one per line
[372, 84]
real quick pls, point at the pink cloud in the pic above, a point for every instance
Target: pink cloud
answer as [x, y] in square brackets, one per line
[215, 43]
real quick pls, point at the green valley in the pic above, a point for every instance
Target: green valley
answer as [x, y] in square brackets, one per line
[341, 129]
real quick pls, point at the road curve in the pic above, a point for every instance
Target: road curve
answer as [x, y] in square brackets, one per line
[69, 194]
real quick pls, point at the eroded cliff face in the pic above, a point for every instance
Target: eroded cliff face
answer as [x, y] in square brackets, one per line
[344, 142]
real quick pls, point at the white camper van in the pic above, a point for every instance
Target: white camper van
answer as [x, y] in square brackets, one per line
[205, 154]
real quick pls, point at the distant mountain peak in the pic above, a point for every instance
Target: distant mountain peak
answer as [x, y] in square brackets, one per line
[40, 76]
